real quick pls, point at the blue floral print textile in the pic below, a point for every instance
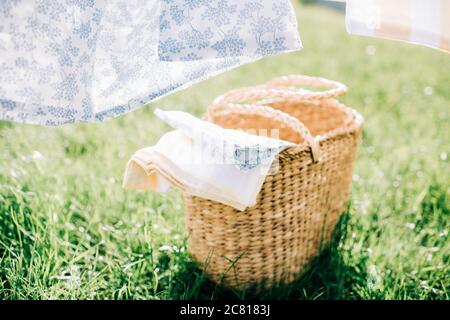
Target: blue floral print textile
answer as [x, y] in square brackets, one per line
[66, 61]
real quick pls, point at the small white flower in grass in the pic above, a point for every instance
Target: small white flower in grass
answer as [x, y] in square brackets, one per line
[70, 226]
[443, 156]
[165, 248]
[36, 155]
[410, 226]
[428, 90]
[374, 279]
[362, 205]
[371, 50]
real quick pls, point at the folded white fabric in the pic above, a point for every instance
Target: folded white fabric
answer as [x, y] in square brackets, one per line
[205, 160]
[418, 21]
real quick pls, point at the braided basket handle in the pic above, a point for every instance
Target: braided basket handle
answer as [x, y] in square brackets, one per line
[291, 83]
[269, 113]
[285, 87]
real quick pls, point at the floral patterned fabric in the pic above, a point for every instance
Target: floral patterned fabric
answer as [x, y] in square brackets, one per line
[65, 61]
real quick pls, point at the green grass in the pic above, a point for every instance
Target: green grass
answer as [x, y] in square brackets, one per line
[68, 229]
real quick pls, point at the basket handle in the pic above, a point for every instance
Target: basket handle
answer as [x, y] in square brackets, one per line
[271, 113]
[285, 87]
[334, 88]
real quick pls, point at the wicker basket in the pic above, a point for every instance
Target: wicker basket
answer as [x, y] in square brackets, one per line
[298, 206]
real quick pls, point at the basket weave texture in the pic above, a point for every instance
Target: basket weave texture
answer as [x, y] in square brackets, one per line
[300, 204]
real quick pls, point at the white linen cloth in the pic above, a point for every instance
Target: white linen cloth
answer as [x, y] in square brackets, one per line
[425, 22]
[205, 160]
[64, 61]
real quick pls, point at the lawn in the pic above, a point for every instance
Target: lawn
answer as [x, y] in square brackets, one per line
[68, 230]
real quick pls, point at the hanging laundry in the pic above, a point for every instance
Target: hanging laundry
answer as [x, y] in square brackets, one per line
[425, 22]
[205, 160]
[85, 61]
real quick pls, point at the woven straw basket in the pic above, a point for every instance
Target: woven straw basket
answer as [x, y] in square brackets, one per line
[299, 205]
